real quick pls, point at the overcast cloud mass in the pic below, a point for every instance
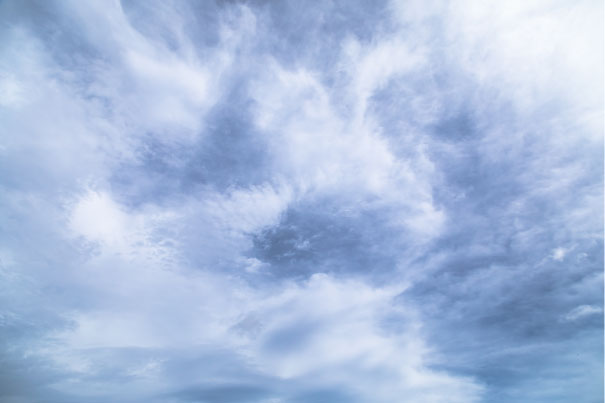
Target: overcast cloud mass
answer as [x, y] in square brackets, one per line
[293, 201]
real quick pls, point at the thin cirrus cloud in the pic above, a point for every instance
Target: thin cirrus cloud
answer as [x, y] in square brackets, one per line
[279, 202]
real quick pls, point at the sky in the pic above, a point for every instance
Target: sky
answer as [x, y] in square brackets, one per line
[301, 202]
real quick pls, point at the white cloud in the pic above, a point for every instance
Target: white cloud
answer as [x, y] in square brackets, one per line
[337, 332]
[532, 51]
[98, 219]
[324, 333]
[323, 152]
[148, 86]
[11, 90]
[582, 311]
[559, 253]
[373, 66]
[246, 211]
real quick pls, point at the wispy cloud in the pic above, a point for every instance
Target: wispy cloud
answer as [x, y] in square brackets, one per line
[272, 202]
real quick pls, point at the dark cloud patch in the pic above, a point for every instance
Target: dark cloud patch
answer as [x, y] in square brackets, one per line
[223, 394]
[318, 238]
[227, 154]
[24, 377]
[199, 22]
[230, 153]
[292, 337]
[324, 396]
[317, 32]
[23, 374]
[523, 308]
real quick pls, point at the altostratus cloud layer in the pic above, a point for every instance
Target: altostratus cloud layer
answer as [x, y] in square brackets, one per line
[330, 201]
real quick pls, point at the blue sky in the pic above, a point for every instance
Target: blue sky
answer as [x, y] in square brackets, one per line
[287, 201]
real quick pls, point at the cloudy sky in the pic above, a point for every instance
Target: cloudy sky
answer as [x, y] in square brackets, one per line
[306, 202]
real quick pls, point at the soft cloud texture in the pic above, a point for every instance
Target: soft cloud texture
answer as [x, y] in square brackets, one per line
[286, 202]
